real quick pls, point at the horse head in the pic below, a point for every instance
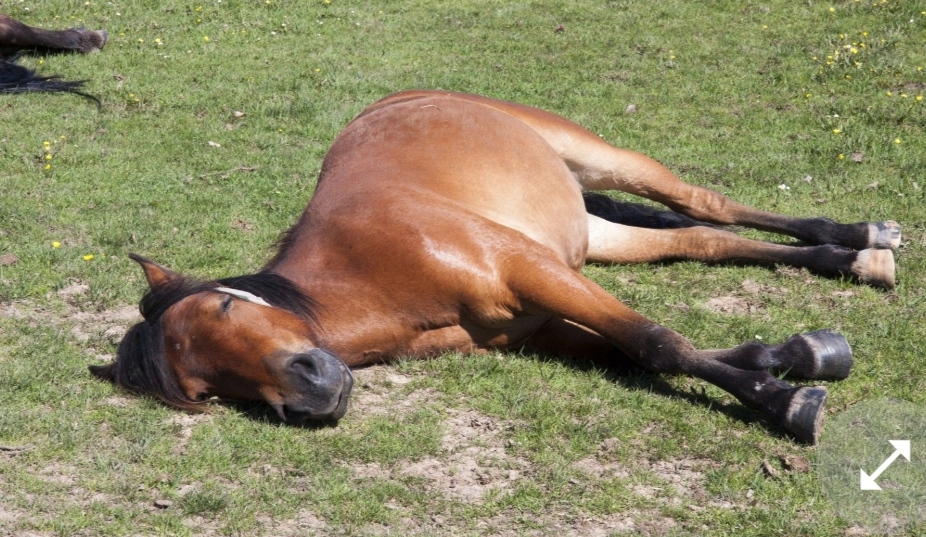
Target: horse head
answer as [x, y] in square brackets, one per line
[220, 339]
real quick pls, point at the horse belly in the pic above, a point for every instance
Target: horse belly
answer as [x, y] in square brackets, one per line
[468, 155]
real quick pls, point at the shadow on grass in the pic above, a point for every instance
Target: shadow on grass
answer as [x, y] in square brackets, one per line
[625, 374]
[634, 377]
[264, 413]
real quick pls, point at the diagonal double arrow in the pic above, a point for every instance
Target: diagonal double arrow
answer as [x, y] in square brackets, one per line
[901, 448]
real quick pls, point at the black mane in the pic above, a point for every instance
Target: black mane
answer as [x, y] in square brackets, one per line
[140, 364]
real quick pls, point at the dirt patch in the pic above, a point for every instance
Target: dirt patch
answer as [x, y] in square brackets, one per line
[304, 523]
[759, 289]
[379, 390]
[750, 300]
[731, 305]
[8, 516]
[65, 310]
[186, 423]
[475, 461]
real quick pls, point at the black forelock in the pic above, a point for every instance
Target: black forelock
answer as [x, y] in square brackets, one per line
[278, 291]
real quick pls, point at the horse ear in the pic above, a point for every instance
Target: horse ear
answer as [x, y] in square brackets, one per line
[155, 274]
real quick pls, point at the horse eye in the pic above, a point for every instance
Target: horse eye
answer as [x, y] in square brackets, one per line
[226, 303]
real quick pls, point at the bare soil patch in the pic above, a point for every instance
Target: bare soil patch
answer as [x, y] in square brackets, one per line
[474, 462]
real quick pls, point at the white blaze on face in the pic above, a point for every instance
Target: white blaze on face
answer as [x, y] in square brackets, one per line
[243, 295]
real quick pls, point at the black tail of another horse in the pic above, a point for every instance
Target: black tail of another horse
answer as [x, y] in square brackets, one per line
[15, 78]
[637, 214]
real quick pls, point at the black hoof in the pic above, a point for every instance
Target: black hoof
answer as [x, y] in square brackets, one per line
[828, 355]
[804, 415]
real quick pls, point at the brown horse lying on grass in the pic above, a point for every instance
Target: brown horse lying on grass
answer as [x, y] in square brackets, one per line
[451, 222]
[16, 36]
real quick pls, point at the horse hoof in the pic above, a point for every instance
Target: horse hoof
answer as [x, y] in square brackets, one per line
[104, 35]
[829, 355]
[804, 417]
[875, 267]
[884, 235]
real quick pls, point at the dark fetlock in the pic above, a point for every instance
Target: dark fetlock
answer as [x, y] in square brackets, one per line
[821, 355]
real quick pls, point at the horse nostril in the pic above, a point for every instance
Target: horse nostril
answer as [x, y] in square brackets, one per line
[304, 365]
[316, 366]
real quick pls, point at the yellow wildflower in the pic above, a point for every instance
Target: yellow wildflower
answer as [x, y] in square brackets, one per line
[88, 257]
[55, 244]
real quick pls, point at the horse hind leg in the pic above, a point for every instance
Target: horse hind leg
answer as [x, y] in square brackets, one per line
[617, 243]
[600, 166]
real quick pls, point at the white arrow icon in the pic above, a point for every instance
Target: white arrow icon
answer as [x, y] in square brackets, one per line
[902, 447]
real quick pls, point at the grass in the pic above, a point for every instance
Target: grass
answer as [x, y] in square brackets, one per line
[741, 97]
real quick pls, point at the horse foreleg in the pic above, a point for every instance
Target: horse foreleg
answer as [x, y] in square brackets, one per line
[15, 35]
[819, 355]
[616, 243]
[552, 288]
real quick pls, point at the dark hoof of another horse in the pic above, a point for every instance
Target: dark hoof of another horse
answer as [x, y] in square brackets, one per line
[104, 35]
[92, 40]
[804, 416]
[875, 267]
[884, 235]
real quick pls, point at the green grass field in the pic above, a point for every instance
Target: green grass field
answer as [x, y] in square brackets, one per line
[216, 115]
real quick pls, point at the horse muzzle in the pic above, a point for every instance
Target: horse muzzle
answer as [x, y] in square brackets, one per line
[321, 384]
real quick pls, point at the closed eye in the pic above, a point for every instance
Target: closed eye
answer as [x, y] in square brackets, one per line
[226, 303]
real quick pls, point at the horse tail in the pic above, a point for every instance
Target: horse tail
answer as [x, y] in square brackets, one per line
[637, 214]
[15, 78]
